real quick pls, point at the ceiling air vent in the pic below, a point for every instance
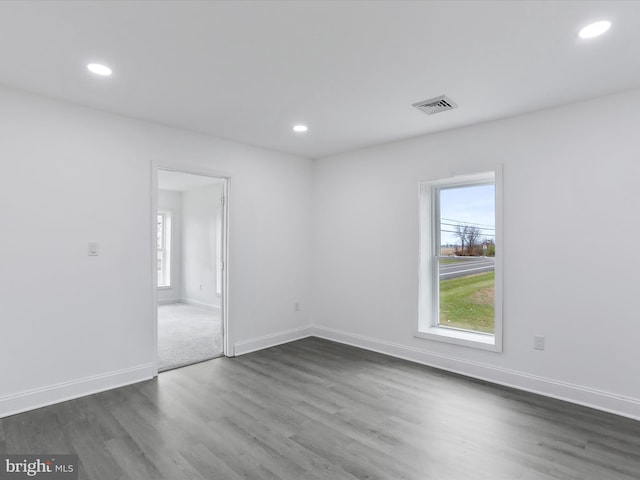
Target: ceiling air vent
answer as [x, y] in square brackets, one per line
[435, 105]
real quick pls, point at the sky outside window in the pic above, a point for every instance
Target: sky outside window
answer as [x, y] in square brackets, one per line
[470, 205]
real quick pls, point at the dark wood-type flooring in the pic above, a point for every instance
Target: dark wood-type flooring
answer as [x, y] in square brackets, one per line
[314, 409]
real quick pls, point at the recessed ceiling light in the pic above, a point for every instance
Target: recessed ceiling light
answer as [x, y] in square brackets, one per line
[99, 69]
[300, 128]
[595, 29]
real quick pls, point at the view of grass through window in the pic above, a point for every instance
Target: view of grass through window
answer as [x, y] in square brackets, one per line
[466, 260]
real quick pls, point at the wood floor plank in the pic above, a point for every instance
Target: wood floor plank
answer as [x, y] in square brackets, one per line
[314, 410]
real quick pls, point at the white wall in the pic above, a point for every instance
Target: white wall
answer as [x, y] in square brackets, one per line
[571, 201]
[199, 208]
[72, 324]
[172, 202]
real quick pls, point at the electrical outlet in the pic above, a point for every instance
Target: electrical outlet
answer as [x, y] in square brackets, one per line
[538, 342]
[296, 307]
[93, 249]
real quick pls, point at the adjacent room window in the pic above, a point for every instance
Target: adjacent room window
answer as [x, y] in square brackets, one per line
[164, 249]
[219, 265]
[460, 260]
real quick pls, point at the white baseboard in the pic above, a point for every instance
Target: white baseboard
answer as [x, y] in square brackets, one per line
[169, 301]
[271, 340]
[41, 397]
[194, 303]
[589, 397]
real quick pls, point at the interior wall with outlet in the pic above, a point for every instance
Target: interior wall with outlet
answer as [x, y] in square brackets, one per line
[79, 323]
[570, 205]
[199, 209]
[172, 202]
[74, 324]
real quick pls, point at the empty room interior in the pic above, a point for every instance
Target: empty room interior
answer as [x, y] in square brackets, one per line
[190, 268]
[320, 239]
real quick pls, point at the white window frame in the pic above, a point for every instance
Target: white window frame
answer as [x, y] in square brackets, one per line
[219, 248]
[429, 275]
[164, 277]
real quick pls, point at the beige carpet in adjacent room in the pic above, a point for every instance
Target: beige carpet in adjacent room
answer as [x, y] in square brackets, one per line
[186, 335]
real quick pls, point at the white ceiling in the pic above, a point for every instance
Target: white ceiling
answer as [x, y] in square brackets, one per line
[350, 70]
[183, 182]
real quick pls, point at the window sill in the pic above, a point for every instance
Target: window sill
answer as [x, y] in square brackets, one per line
[481, 341]
[164, 287]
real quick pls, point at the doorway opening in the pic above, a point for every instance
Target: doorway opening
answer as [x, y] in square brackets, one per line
[190, 239]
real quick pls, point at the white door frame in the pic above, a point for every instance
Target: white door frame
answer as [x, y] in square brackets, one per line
[195, 170]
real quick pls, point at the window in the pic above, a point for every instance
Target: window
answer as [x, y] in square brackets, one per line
[164, 249]
[219, 266]
[460, 261]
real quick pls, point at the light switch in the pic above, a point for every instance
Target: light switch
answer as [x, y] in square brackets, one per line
[93, 249]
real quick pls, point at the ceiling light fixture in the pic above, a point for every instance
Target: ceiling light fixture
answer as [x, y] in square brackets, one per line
[595, 29]
[300, 128]
[99, 69]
